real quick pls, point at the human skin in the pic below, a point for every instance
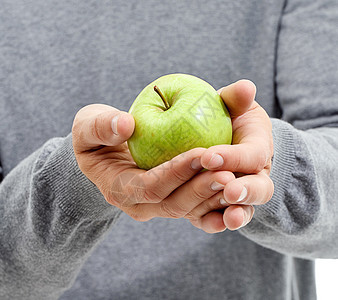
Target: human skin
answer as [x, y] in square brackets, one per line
[178, 188]
[249, 157]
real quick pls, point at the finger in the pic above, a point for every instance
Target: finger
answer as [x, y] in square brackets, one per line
[136, 186]
[216, 202]
[238, 96]
[203, 186]
[101, 125]
[237, 216]
[179, 203]
[246, 158]
[212, 222]
[162, 180]
[249, 189]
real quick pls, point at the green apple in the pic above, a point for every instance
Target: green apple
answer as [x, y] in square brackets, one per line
[176, 113]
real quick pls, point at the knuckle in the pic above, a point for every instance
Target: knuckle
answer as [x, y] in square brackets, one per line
[112, 199]
[133, 193]
[197, 194]
[119, 199]
[191, 217]
[96, 129]
[171, 212]
[203, 209]
[208, 206]
[176, 174]
[152, 196]
[127, 189]
[138, 217]
[115, 191]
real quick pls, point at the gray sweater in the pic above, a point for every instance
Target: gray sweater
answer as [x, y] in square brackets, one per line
[58, 236]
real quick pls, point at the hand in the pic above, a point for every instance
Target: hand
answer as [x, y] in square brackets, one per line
[170, 190]
[249, 157]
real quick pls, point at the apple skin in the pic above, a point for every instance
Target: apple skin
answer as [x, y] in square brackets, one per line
[197, 117]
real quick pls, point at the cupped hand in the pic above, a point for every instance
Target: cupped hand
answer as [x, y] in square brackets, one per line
[170, 190]
[249, 157]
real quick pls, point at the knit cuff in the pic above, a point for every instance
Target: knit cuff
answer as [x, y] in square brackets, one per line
[284, 161]
[75, 194]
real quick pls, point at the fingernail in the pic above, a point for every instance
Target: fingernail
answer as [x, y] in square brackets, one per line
[243, 194]
[216, 186]
[215, 161]
[114, 124]
[223, 202]
[247, 215]
[196, 163]
[244, 219]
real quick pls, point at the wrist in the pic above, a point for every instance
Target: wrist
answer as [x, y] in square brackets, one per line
[75, 194]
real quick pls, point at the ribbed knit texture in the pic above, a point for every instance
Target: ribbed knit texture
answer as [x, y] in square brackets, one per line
[283, 163]
[59, 239]
[65, 178]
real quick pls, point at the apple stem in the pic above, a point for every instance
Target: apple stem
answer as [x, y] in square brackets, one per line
[158, 91]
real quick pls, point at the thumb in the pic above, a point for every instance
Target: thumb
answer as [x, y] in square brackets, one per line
[98, 125]
[238, 96]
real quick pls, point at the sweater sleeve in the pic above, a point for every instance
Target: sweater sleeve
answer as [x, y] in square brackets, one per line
[301, 218]
[51, 218]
